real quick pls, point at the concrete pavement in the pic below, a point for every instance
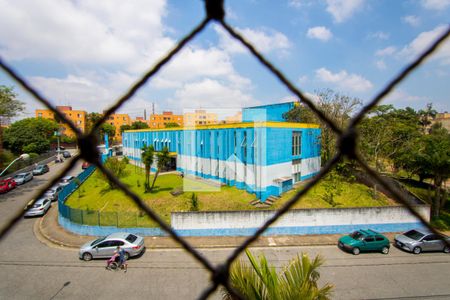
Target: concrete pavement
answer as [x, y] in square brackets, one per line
[48, 231]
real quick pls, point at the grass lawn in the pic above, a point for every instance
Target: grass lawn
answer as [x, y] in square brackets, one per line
[352, 195]
[94, 195]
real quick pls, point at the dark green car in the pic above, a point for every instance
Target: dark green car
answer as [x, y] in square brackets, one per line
[364, 240]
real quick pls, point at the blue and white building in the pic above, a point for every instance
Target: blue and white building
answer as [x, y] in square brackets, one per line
[263, 154]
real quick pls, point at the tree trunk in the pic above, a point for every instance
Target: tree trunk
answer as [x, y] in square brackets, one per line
[436, 204]
[147, 180]
[154, 179]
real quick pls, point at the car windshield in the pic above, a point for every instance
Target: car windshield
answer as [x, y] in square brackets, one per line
[413, 234]
[98, 241]
[19, 176]
[131, 238]
[357, 235]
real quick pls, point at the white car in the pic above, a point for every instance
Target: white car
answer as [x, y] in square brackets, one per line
[21, 178]
[39, 208]
[66, 180]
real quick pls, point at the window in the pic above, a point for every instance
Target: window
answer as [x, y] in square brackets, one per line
[116, 243]
[369, 239]
[296, 142]
[379, 239]
[40, 115]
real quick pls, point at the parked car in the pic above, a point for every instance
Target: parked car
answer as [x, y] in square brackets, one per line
[53, 192]
[420, 240]
[66, 154]
[104, 247]
[7, 184]
[66, 180]
[22, 178]
[85, 165]
[364, 240]
[39, 208]
[40, 169]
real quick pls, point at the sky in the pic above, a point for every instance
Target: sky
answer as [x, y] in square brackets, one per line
[87, 53]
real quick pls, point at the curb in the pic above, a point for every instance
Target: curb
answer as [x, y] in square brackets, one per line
[47, 240]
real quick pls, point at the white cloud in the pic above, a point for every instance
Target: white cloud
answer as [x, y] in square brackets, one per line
[344, 80]
[435, 4]
[265, 41]
[386, 51]
[414, 21]
[423, 41]
[210, 93]
[341, 10]
[379, 35]
[402, 98]
[300, 3]
[380, 64]
[320, 32]
[116, 32]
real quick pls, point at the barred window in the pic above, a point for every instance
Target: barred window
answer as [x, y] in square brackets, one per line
[296, 142]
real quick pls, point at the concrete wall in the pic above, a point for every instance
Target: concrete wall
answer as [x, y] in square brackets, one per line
[302, 221]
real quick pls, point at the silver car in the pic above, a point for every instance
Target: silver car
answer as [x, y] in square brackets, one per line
[21, 178]
[104, 247]
[418, 240]
[39, 208]
[53, 192]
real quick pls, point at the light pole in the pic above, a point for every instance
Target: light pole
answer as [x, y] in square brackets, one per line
[23, 156]
[58, 152]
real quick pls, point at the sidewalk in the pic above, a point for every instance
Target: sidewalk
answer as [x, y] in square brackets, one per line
[48, 231]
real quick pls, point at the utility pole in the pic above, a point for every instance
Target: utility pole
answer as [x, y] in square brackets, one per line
[153, 107]
[145, 114]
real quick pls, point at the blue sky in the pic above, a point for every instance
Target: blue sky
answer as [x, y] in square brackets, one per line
[86, 53]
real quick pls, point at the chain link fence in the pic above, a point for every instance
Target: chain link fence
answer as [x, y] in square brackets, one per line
[346, 147]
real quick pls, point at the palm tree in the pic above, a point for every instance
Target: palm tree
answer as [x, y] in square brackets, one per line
[163, 160]
[298, 280]
[147, 157]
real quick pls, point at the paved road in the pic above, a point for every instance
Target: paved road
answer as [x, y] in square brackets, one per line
[31, 270]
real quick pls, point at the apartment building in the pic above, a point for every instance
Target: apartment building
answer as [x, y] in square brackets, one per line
[77, 117]
[161, 120]
[200, 117]
[118, 120]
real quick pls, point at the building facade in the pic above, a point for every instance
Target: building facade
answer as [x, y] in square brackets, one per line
[200, 117]
[262, 157]
[157, 121]
[77, 117]
[118, 120]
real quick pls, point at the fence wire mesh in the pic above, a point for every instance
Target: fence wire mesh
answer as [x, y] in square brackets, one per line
[346, 148]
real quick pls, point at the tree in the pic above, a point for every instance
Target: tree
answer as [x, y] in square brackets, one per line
[297, 280]
[108, 129]
[387, 134]
[34, 133]
[124, 127]
[9, 108]
[139, 125]
[163, 159]
[116, 167]
[431, 159]
[337, 107]
[91, 119]
[172, 125]
[147, 157]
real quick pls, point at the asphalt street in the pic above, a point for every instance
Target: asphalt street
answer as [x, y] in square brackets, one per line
[32, 270]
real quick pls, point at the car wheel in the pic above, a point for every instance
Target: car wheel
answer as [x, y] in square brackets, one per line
[87, 256]
[417, 250]
[356, 251]
[127, 255]
[385, 250]
[446, 249]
